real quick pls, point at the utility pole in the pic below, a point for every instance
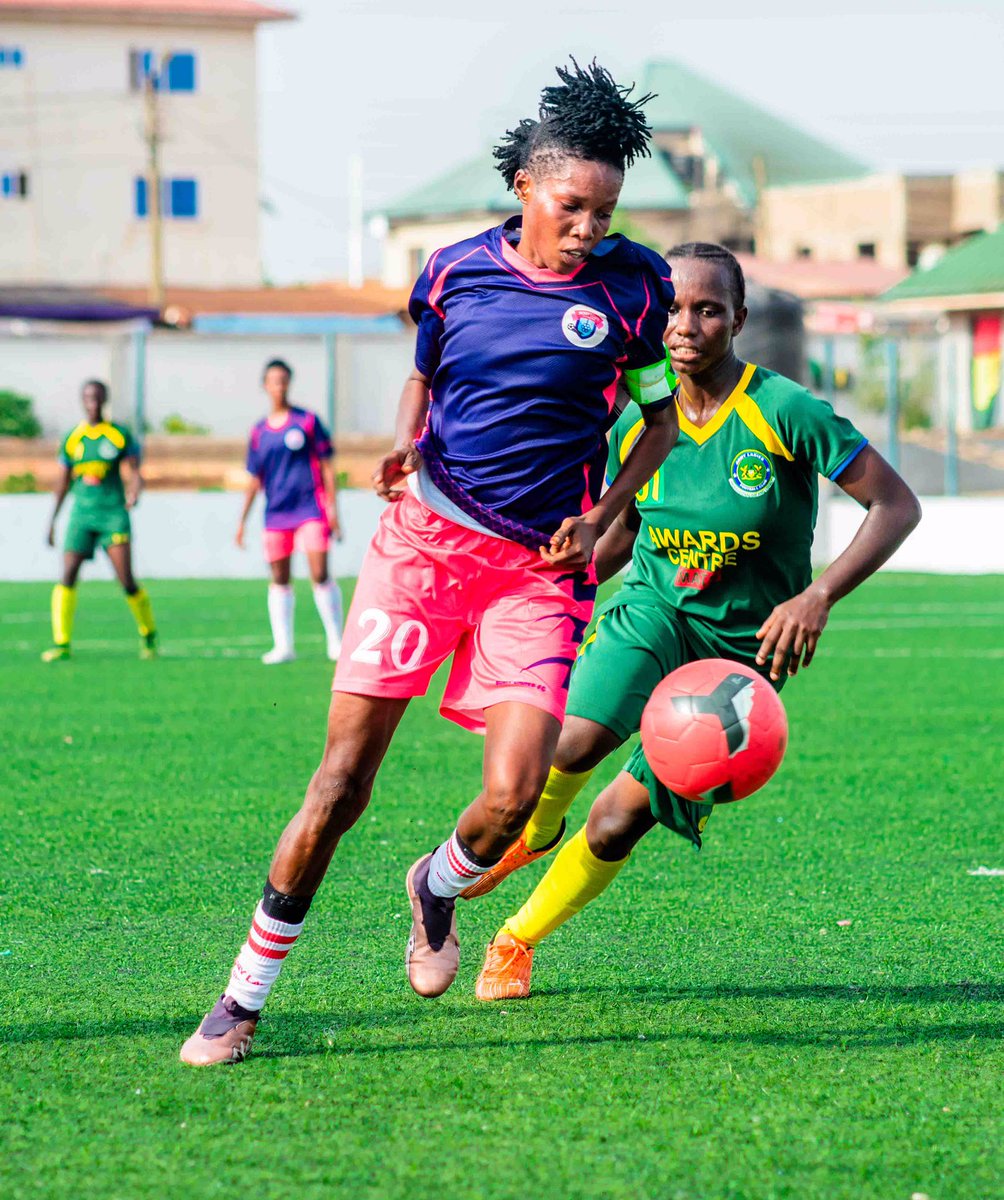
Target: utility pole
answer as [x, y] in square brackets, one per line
[153, 184]
[355, 221]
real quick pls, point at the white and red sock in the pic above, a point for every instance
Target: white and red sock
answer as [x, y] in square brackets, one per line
[454, 866]
[260, 960]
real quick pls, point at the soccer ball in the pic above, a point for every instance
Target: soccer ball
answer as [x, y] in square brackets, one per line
[714, 731]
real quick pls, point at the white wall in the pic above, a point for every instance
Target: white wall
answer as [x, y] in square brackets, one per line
[210, 379]
[176, 535]
[184, 535]
[71, 122]
[958, 535]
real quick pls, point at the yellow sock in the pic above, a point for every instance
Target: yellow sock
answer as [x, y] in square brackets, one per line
[555, 800]
[142, 611]
[576, 877]
[64, 605]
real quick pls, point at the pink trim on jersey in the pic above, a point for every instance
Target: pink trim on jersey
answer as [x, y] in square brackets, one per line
[437, 288]
[286, 420]
[568, 287]
[610, 392]
[626, 327]
[587, 499]
[648, 303]
[320, 493]
[537, 274]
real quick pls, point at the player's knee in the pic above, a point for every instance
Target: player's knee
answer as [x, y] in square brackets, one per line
[609, 836]
[582, 746]
[615, 824]
[335, 799]
[511, 795]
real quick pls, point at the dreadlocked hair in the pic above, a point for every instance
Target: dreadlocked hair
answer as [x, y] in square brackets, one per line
[712, 252]
[588, 116]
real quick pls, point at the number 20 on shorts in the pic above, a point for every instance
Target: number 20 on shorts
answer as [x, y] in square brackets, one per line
[407, 646]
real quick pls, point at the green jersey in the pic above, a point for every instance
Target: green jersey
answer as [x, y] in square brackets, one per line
[94, 454]
[727, 521]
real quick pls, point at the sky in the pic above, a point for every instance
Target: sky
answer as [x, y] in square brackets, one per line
[413, 89]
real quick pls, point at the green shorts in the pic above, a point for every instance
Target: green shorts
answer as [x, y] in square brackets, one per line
[87, 530]
[632, 649]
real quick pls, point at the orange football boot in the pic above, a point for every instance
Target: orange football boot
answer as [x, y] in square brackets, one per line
[506, 973]
[518, 855]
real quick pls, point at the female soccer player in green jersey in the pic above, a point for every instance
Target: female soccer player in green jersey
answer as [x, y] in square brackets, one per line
[719, 544]
[91, 457]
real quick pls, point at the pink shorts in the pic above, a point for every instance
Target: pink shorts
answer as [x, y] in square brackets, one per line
[430, 588]
[310, 536]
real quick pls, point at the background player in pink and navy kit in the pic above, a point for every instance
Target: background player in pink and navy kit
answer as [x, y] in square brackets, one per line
[524, 335]
[290, 458]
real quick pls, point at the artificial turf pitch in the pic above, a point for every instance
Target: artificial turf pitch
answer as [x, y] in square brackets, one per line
[712, 1029]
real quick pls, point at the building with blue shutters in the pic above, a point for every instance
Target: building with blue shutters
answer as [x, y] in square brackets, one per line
[75, 203]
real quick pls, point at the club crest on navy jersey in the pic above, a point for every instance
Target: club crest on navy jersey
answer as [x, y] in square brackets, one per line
[584, 326]
[295, 438]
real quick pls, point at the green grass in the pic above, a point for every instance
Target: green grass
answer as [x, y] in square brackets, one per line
[706, 1031]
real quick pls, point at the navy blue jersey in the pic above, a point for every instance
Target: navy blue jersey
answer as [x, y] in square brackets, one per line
[523, 366]
[287, 461]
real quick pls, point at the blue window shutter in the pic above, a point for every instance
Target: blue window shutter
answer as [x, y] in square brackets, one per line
[16, 56]
[184, 198]
[181, 72]
[3, 56]
[140, 204]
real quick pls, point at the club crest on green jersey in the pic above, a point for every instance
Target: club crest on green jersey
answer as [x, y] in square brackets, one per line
[584, 326]
[751, 473]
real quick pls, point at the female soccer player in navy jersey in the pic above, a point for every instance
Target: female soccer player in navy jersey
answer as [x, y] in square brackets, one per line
[524, 334]
[289, 457]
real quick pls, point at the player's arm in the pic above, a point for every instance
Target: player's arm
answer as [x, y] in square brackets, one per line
[134, 481]
[252, 490]
[62, 487]
[331, 496]
[793, 629]
[575, 539]
[404, 458]
[613, 550]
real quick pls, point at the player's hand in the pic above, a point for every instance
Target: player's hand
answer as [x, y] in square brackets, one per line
[572, 544]
[239, 537]
[334, 524]
[791, 633]
[131, 502]
[392, 470]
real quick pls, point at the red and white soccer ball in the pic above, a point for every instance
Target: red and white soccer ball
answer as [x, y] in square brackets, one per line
[714, 731]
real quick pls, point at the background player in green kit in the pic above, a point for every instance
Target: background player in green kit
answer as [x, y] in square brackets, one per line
[91, 456]
[719, 543]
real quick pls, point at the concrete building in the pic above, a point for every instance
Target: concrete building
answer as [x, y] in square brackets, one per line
[74, 190]
[894, 220]
[724, 170]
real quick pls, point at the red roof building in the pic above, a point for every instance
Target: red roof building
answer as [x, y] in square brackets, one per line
[243, 12]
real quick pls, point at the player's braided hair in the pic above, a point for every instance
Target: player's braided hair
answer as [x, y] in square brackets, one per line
[588, 116]
[710, 251]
